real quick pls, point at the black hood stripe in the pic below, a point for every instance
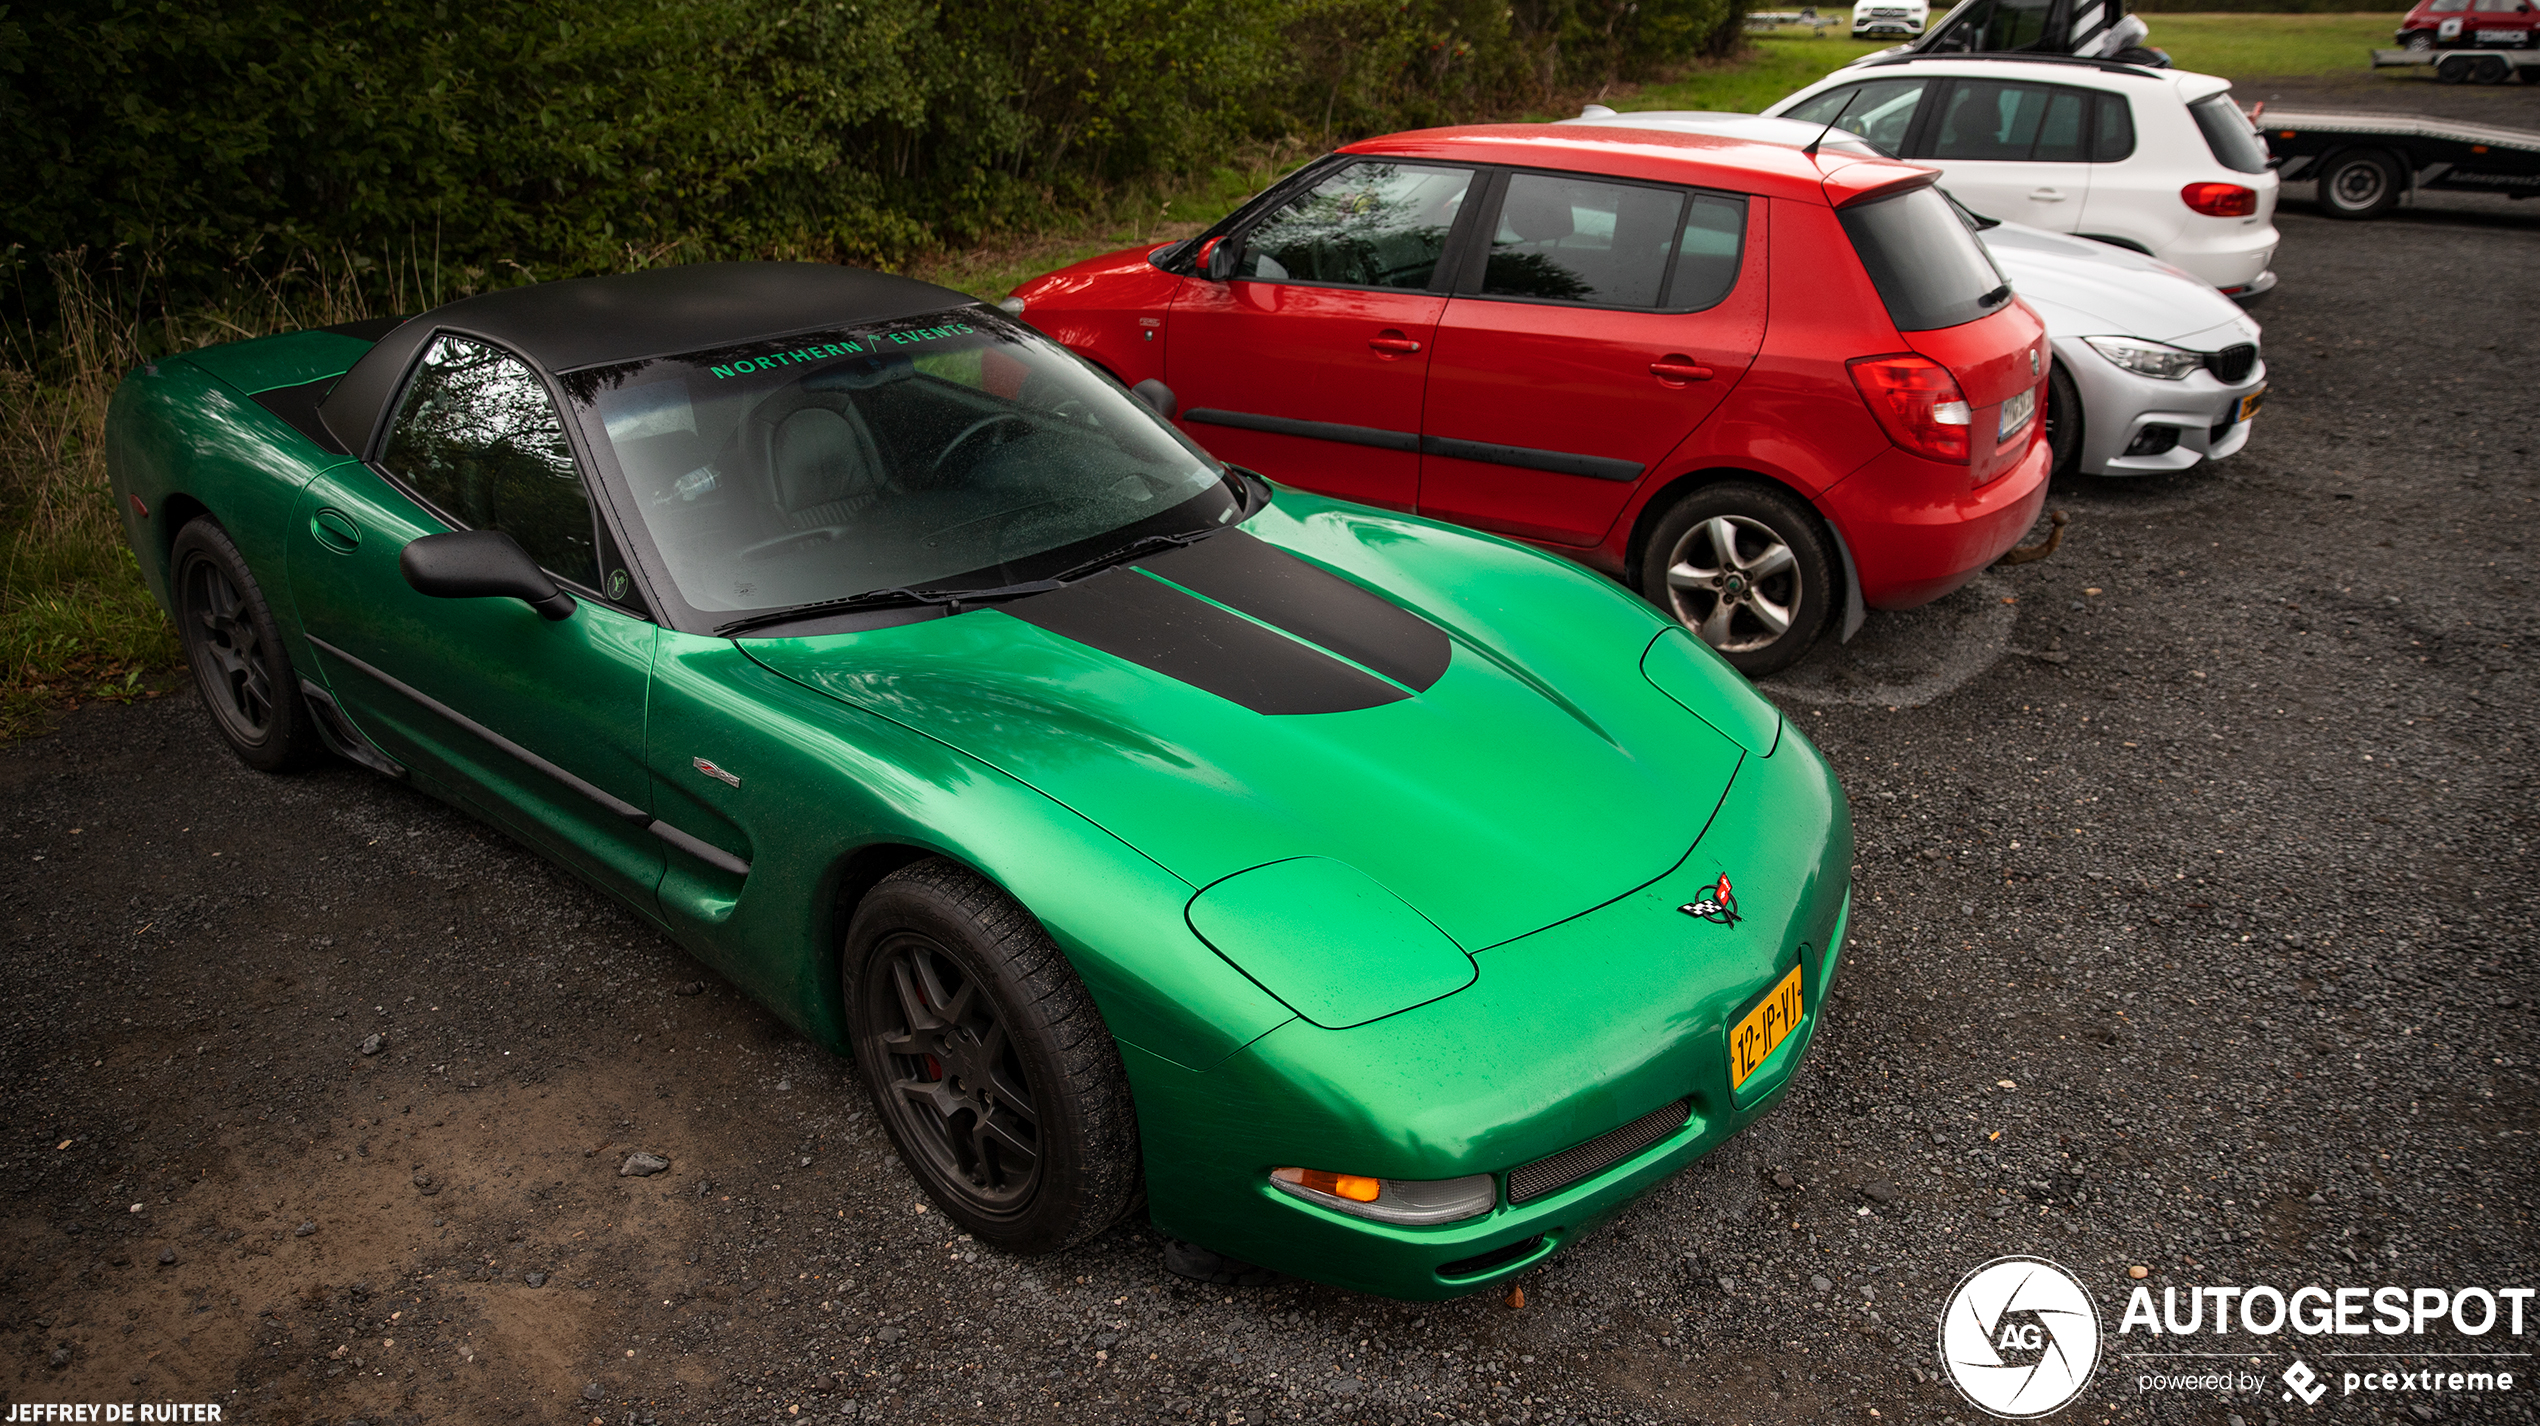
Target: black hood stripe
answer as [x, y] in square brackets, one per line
[1316, 605]
[1159, 615]
[1156, 626]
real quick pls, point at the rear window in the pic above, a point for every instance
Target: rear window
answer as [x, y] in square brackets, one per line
[2236, 146]
[1929, 270]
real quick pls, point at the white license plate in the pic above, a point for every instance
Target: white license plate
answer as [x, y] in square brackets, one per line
[2015, 414]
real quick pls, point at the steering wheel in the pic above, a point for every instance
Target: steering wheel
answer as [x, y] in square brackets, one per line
[972, 430]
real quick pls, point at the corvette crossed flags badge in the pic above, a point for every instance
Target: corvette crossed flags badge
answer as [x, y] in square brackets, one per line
[1717, 904]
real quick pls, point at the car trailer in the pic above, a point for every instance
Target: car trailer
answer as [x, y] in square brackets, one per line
[2465, 66]
[2365, 163]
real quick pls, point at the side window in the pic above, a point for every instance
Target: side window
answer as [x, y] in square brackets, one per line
[1708, 256]
[1881, 111]
[478, 438]
[1370, 225]
[2112, 137]
[1564, 239]
[1992, 119]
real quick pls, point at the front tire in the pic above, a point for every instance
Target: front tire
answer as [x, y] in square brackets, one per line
[2360, 184]
[2064, 418]
[1745, 567]
[235, 651]
[988, 1062]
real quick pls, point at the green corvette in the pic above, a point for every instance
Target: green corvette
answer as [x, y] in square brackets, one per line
[1371, 900]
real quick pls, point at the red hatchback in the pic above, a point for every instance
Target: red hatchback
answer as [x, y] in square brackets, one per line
[1765, 388]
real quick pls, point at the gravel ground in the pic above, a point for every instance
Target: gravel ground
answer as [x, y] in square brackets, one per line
[2193, 934]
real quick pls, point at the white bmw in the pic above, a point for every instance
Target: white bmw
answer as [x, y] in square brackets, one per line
[2154, 370]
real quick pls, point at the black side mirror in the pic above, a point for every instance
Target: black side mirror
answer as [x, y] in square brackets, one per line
[1157, 396]
[1217, 258]
[481, 564]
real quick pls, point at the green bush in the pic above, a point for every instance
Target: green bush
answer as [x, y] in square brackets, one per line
[503, 141]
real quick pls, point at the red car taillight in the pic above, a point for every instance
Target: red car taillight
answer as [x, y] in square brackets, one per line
[1918, 402]
[2220, 200]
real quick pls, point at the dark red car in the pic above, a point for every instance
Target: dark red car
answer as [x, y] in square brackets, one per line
[1765, 388]
[2470, 24]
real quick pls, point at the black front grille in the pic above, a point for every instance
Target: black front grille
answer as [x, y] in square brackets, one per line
[2233, 364]
[1551, 1175]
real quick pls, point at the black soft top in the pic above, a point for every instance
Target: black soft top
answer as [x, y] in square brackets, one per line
[591, 321]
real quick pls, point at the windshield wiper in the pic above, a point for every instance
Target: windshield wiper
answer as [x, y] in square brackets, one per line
[896, 597]
[1996, 297]
[1144, 545]
[900, 596]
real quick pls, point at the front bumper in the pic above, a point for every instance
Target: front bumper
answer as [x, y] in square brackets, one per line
[2119, 408]
[1567, 1034]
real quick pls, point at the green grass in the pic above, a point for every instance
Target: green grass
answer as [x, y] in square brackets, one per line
[1775, 65]
[2237, 45]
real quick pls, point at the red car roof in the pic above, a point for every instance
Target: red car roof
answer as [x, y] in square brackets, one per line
[1706, 160]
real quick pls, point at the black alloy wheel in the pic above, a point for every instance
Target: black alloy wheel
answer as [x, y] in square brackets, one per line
[988, 1062]
[1744, 567]
[2359, 184]
[236, 653]
[2064, 418]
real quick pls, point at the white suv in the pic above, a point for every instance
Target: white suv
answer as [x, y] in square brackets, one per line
[2159, 161]
[1903, 19]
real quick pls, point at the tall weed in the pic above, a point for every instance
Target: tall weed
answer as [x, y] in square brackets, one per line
[76, 622]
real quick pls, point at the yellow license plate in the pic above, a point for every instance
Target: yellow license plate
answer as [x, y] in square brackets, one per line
[2250, 403]
[1764, 1028]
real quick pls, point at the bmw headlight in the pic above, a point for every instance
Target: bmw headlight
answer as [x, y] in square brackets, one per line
[2149, 358]
[1392, 1200]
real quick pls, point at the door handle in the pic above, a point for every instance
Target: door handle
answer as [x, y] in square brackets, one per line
[1677, 370]
[335, 530]
[2047, 195]
[1391, 342]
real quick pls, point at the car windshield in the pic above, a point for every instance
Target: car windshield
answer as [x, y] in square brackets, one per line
[953, 452]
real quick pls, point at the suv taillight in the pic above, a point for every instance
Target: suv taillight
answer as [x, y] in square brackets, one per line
[1918, 402]
[2220, 200]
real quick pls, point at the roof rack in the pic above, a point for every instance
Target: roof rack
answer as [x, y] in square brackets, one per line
[2109, 66]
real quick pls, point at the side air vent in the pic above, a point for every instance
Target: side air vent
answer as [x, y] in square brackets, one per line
[1551, 1175]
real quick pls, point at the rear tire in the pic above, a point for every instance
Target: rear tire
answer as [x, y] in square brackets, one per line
[2064, 419]
[988, 1062]
[2360, 184]
[235, 651]
[1747, 570]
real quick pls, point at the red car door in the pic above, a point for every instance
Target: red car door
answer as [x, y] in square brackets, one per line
[1307, 365]
[1605, 320]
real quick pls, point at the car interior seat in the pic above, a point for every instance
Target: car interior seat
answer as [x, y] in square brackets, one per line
[822, 467]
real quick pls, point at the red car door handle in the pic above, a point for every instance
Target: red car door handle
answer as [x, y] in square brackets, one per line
[1392, 343]
[1674, 369]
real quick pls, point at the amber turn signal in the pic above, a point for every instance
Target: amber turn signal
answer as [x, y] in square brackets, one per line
[1351, 1186]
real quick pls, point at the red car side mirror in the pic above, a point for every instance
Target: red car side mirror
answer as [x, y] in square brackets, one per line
[1217, 258]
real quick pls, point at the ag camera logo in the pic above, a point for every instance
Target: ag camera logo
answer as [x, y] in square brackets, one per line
[2019, 1338]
